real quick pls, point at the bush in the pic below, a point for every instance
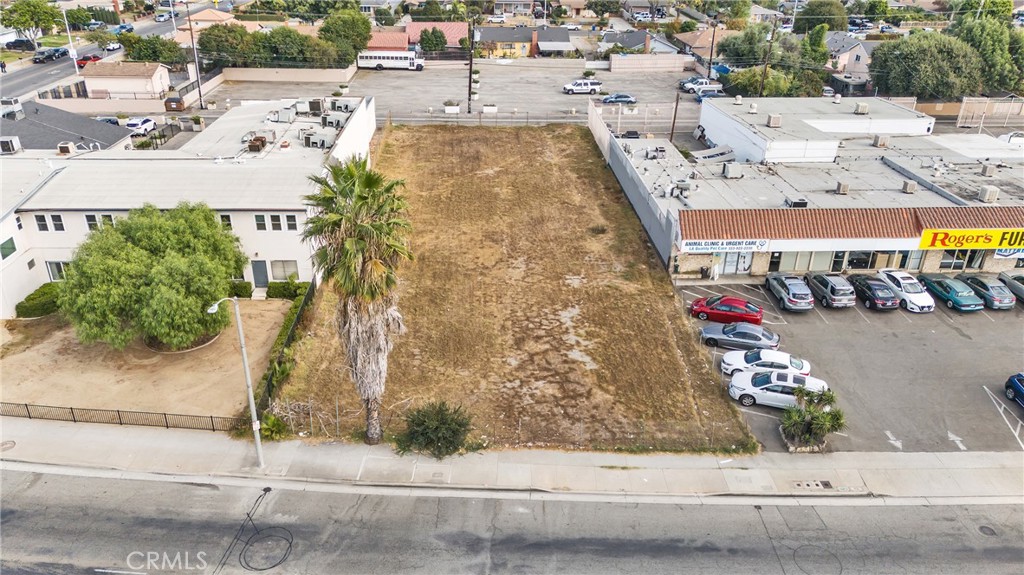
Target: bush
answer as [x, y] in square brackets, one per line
[41, 302]
[589, 73]
[286, 290]
[240, 289]
[272, 428]
[436, 428]
[293, 311]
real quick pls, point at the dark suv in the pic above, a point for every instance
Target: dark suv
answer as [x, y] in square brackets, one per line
[831, 289]
[45, 55]
[22, 44]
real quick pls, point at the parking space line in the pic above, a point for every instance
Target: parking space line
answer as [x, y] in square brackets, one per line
[744, 294]
[945, 312]
[857, 308]
[982, 312]
[906, 316]
[695, 295]
[821, 315]
[761, 414]
[1003, 409]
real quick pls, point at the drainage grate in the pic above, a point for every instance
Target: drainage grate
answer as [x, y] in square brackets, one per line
[813, 484]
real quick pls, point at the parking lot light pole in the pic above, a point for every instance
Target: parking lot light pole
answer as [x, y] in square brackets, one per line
[248, 378]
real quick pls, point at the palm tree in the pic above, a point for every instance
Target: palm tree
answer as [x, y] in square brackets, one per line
[814, 417]
[359, 235]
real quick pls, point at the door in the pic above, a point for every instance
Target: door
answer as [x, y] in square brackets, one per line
[730, 265]
[259, 274]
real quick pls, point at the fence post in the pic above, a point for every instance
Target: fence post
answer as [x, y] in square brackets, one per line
[166, 424]
[28, 411]
[73, 419]
[119, 422]
[213, 426]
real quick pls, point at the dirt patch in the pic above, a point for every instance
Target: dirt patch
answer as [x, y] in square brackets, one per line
[44, 364]
[534, 300]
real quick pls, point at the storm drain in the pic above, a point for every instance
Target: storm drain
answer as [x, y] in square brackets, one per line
[813, 484]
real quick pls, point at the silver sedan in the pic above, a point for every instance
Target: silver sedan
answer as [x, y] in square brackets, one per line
[740, 335]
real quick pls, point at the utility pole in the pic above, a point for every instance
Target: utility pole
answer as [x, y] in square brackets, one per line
[711, 56]
[472, 49]
[195, 55]
[675, 111]
[72, 53]
[767, 58]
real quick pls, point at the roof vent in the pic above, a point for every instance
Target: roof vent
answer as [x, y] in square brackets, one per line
[796, 203]
[861, 108]
[842, 188]
[65, 148]
[732, 170]
[880, 141]
[753, 109]
[10, 145]
[988, 194]
[774, 120]
[988, 169]
[738, 101]
[837, 98]
[909, 186]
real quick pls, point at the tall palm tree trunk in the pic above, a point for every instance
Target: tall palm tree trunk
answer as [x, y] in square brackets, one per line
[367, 329]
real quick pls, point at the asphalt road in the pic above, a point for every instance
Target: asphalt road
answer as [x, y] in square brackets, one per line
[38, 76]
[55, 525]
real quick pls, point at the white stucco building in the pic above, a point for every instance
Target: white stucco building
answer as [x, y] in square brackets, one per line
[51, 202]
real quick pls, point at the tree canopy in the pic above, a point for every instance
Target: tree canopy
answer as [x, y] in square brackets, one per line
[928, 66]
[152, 274]
[991, 38]
[384, 17]
[157, 49]
[349, 32]
[813, 50]
[232, 45]
[433, 40]
[877, 9]
[748, 82]
[830, 12]
[602, 7]
[31, 18]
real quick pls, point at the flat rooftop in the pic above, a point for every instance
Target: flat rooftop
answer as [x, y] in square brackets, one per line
[873, 182]
[820, 118]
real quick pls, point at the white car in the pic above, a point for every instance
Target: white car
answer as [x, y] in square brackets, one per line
[764, 360]
[162, 17]
[582, 87]
[571, 26]
[496, 19]
[771, 388]
[112, 46]
[140, 126]
[912, 294]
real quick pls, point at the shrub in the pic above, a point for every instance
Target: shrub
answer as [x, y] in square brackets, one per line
[336, 93]
[451, 103]
[240, 289]
[293, 311]
[435, 428]
[272, 428]
[143, 144]
[589, 73]
[286, 290]
[41, 302]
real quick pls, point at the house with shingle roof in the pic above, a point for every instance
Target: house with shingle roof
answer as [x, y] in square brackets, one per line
[506, 41]
[453, 31]
[398, 41]
[137, 80]
[848, 53]
[698, 43]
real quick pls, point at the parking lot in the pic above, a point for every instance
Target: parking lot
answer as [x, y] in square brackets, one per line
[906, 382]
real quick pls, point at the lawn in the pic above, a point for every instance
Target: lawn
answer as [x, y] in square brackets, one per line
[534, 301]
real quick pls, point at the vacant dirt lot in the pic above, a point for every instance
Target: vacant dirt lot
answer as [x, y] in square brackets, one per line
[43, 363]
[534, 301]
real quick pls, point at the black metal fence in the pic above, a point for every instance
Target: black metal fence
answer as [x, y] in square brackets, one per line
[118, 417]
[75, 90]
[194, 84]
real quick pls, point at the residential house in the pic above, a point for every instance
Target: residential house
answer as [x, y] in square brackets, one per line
[138, 80]
[848, 54]
[397, 41]
[761, 14]
[368, 7]
[576, 8]
[517, 7]
[51, 203]
[202, 20]
[453, 31]
[506, 41]
[40, 127]
[698, 43]
[554, 41]
[640, 40]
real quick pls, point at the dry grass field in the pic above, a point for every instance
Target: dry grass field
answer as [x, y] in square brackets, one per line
[534, 301]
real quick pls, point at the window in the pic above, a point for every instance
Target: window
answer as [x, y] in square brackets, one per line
[1020, 263]
[857, 58]
[17, 220]
[773, 262]
[31, 263]
[838, 259]
[7, 248]
[820, 261]
[961, 259]
[92, 221]
[281, 269]
[859, 260]
[41, 223]
[291, 222]
[261, 222]
[58, 223]
[225, 220]
[56, 270]
[275, 223]
[910, 259]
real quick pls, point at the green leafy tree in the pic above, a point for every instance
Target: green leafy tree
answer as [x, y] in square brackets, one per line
[78, 17]
[31, 18]
[814, 417]
[433, 40]
[129, 40]
[830, 12]
[602, 7]
[431, 12]
[750, 48]
[991, 38]
[100, 37]
[157, 49]
[813, 50]
[1017, 55]
[384, 17]
[876, 10]
[222, 43]
[152, 274]
[748, 82]
[360, 236]
[687, 26]
[349, 31]
[807, 83]
[1001, 9]
[928, 66]
[739, 9]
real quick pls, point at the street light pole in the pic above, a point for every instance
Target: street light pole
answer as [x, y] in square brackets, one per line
[72, 53]
[248, 378]
[195, 56]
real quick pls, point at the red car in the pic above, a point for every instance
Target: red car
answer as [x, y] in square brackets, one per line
[86, 59]
[726, 309]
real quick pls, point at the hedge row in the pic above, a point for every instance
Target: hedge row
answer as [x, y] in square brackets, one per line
[286, 290]
[293, 312]
[41, 302]
[240, 289]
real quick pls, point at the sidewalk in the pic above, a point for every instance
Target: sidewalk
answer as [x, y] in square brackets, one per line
[878, 478]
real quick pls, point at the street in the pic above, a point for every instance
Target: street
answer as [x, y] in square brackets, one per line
[59, 524]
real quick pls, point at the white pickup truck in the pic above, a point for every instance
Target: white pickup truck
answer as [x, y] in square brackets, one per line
[701, 84]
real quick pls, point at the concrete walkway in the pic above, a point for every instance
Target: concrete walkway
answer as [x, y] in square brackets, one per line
[206, 457]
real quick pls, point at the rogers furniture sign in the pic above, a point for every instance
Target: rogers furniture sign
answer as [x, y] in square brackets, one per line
[997, 239]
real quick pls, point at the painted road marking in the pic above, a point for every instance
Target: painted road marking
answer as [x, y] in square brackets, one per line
[744, 294]
[817, 311]
[857, 307]
[982, 312]
[957, 440]
[895, 442]
[761, 414]
[1003, 409]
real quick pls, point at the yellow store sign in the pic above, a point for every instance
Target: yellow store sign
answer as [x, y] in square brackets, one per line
[982, 239]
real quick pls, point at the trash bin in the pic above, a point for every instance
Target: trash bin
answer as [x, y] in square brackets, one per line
[593, 27]
[705, 272]
[174, 105]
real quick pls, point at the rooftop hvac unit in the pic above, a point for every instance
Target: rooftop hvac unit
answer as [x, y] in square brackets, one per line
[286, 115]
[657, 153]
[333, 120]
[316, 106]
[340, 106]
[10, 145]
[988, 170]
[861, 108]
[909, 186]
[66, 148]
[732, 170]
[796, 203]
[842, 188]
[737, 101]
[988, 194]
[753, 109]
[880, 141]
[774, 120]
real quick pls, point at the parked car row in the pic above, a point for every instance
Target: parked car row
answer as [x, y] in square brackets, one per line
[49, 54]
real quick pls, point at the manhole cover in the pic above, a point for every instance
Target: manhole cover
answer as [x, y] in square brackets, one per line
[6, 445]
[986, 530]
